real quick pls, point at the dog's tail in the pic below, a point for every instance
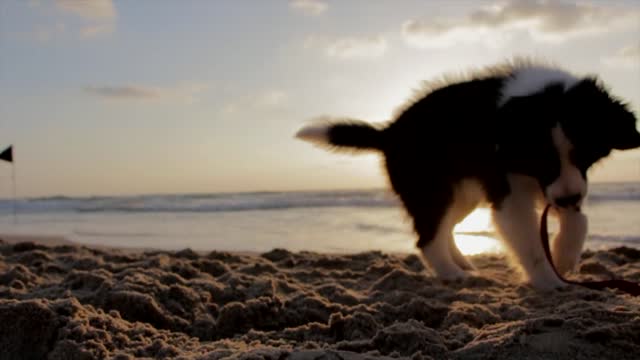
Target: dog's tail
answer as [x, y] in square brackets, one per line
[343, 134]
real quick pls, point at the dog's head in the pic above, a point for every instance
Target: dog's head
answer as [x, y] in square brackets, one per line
[556, 135]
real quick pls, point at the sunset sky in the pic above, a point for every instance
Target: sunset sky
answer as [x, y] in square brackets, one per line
[127, 97]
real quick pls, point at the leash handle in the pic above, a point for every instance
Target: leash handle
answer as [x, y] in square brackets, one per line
[623, 285]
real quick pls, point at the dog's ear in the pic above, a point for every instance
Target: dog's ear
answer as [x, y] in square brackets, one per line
[626, 140]
[622, 130]
[608, 117]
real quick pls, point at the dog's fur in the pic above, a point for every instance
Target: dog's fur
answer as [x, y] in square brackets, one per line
[516, 136]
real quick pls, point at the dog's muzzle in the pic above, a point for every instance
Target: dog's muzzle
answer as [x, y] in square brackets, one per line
[569, 201]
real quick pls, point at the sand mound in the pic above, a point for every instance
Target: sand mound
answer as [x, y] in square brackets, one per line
[72, 302]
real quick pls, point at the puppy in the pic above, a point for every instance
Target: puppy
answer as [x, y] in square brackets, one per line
[514, 136]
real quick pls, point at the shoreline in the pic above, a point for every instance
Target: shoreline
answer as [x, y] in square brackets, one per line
[59, 240]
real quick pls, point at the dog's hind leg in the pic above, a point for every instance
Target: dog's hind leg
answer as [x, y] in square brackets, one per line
[467, 196]
[458, 257]
[434, 222]
[436, 252]
[567, 245]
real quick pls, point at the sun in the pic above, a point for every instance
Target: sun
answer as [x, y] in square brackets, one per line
[475, 234]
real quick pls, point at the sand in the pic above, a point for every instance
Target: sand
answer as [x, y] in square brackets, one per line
[66, 301]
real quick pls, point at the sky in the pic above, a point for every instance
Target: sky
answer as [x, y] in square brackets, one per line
[109, 97]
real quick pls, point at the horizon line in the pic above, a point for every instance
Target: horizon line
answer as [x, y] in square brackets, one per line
[311, 190]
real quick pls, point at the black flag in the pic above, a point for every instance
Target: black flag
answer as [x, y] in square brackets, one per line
[7, 154]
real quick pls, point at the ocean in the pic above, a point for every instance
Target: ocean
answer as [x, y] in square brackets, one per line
[324, 221]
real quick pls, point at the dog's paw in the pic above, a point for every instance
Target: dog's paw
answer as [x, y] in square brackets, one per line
[465, 264]
[566, 265]
[547, 284]
[452, 275]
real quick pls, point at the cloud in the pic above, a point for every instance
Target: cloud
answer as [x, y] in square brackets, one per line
[365, 47]
[628, 57]
[45, 33]
[543, 20]
[269, 99]
[124, 92]
[89, 9]
[272, 98]
[309, 7]
[95, 30]
[183, 92]
[99, 16]
[33, 3]
[349, 47]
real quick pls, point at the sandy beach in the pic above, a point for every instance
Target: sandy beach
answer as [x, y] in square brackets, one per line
[66, 301]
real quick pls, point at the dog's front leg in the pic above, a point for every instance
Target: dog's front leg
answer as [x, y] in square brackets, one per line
[516, 220]
[568, 243]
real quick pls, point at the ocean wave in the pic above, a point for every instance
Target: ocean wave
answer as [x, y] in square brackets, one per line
[603, 197]
[592, 238]
[264, 200]
[614, 192]
[95, 233]
[241, 206]
[380, 229]
[625, 239]
[202, 203]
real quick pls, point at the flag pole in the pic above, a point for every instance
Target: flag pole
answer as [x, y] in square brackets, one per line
[7, 155]
[15, 205]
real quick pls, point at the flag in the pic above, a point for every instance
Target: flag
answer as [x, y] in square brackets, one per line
[7, 154]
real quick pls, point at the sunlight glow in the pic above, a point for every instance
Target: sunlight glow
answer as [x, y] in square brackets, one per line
[475, 234]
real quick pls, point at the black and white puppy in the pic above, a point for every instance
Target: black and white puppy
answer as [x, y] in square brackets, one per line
[515, 136]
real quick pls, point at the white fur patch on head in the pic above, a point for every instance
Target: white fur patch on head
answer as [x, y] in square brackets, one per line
[318, 133]
[570, 182]
[532, 79]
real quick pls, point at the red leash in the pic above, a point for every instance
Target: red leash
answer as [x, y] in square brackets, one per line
[623, 285]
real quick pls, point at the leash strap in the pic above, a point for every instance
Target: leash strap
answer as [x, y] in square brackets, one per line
[623, 285]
